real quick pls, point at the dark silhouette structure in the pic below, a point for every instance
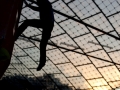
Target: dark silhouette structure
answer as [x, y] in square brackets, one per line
[8, 20]
[46, 22]
[45, 82]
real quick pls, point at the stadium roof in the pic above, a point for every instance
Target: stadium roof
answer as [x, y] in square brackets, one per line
[84, 48]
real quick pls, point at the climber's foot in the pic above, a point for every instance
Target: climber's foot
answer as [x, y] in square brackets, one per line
[40, 66]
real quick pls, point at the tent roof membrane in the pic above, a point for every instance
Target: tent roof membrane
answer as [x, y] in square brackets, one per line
[83, 51]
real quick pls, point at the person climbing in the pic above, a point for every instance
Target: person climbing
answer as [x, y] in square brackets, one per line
[46, 22]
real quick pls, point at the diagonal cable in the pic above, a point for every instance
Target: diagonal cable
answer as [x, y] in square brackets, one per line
[73, 51]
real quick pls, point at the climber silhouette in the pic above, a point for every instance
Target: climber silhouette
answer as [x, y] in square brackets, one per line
[46, 22]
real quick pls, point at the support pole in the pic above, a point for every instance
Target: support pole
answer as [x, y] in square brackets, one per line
[9, 15]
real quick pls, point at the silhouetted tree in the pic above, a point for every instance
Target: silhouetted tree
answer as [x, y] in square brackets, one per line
[45, 82]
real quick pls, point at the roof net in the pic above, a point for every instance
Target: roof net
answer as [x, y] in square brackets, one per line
[83, 51]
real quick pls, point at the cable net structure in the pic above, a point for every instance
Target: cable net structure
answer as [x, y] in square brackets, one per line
[83, 51]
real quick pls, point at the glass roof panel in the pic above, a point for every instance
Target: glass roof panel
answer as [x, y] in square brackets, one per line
[82, 53]
[80, 83]
[89, 71]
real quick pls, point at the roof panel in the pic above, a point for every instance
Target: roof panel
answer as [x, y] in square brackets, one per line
[83, 51]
